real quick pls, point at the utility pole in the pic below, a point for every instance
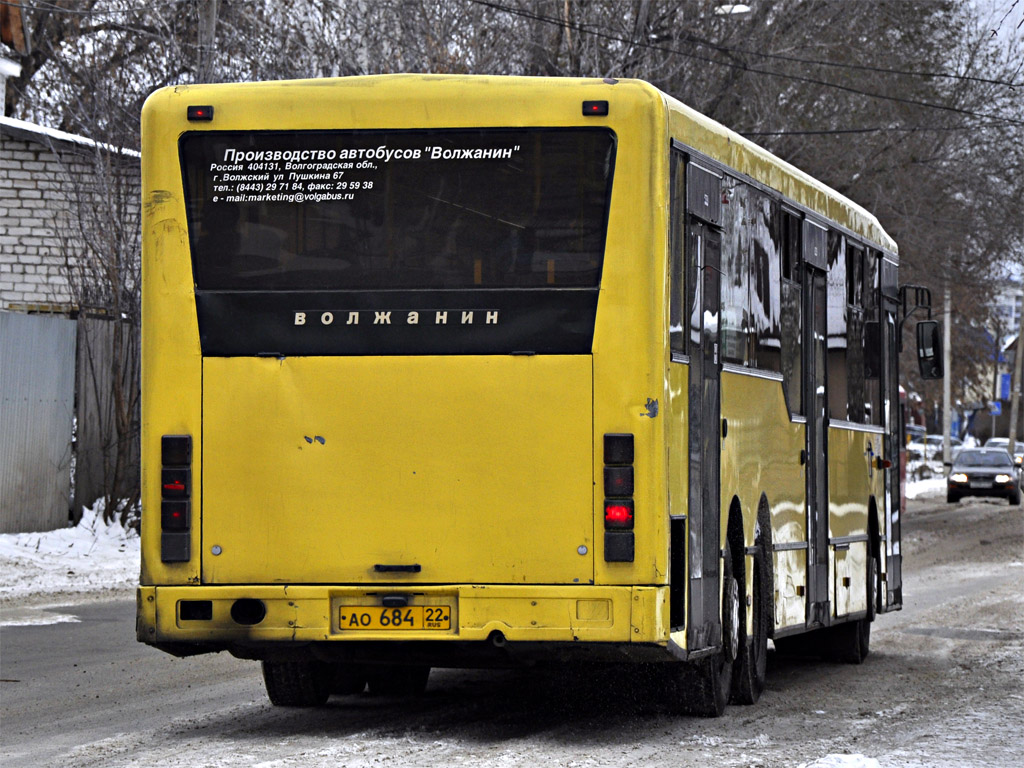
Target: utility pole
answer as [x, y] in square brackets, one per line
[947, 357]
[206, 38]
[1018, 358]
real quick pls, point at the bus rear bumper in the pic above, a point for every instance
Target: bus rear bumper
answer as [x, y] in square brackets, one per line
[271, 621]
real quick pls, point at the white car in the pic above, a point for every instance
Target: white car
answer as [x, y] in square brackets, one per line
[933, 447]
[1004, 443]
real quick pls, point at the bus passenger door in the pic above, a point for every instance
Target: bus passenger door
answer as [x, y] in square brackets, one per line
[815, 292]
[704, 246]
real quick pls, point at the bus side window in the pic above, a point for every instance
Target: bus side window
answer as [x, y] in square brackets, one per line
[857, 405]
[765, 284]
[791, 325]
[838, 329]
[735, 317]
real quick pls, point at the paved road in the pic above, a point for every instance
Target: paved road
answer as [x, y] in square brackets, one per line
[68, 684]
[942, 687]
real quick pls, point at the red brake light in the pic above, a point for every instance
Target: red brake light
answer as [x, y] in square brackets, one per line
[618, 515]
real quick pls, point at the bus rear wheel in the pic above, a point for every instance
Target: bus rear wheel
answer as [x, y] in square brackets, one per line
[748, 677]
[297, 683]
[704, 686]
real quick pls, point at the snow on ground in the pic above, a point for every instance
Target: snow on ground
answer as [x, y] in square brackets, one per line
[843, 761]
[91, 557]
[932, 488]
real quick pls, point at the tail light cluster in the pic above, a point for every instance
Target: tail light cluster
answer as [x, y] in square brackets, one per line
[618, 498]
[175, 498]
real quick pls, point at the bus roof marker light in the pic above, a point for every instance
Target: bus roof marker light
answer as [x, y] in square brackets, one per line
[200, 113]
[595, 108]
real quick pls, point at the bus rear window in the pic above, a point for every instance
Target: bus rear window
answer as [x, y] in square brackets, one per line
[424, 209]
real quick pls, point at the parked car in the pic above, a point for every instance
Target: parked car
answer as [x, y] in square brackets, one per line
[1004, 443]
[933, 447]
[914, 433]
[983, 472]
[929, 448]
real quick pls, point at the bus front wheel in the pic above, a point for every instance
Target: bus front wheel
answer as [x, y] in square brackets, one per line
[297, 683]
[851, 642]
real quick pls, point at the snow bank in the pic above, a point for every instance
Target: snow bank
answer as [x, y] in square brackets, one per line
[843, 761]
[932, 488]
[91, 557]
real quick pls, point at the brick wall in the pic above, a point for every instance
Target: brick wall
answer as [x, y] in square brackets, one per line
[42, 182]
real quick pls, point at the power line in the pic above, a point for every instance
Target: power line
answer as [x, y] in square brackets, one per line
[858, 67]
[42, 5]
[876, 129]
[753, 70]
[782, 57]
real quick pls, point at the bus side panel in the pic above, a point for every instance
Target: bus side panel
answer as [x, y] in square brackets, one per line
[171, 359]
[853, 480]
[631, 337]
[761, 455]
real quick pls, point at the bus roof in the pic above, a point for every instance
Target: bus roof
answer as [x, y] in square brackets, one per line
[406, 91]
[730, 148]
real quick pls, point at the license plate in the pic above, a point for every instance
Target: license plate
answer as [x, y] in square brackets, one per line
[376, 617]
[981, 483]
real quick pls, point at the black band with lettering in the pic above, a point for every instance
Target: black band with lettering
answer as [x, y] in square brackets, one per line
[453, 322]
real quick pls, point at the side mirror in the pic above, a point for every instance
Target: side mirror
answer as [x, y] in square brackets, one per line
[929, 349]
[872, 349]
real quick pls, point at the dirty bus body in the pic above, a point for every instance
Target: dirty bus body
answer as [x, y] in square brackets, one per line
[432, 380]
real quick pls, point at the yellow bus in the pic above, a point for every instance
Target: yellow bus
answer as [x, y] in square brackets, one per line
[454, 371]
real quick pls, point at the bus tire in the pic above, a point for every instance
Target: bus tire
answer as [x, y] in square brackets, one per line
[750, 670]
[297, 683]
[851, 642]
[705, 685]
[398, 680]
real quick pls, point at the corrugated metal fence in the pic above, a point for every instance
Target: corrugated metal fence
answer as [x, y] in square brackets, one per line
[37, 391]
[97, 446]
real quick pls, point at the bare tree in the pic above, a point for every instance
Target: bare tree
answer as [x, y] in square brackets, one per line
[98, 230]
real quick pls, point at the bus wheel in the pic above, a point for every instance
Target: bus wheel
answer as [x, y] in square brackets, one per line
[398, 680]
[297, 683]
[748, 677]
[851, 642]
[704, 685]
